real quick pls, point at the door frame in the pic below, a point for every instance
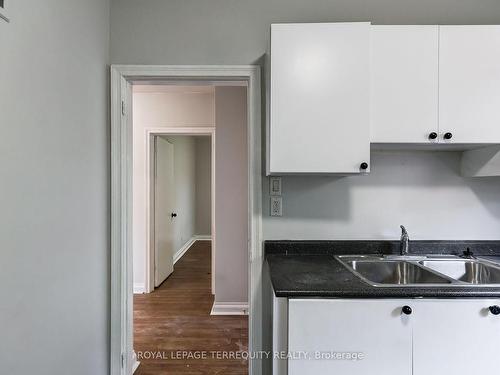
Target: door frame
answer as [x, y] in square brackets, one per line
[122, 359]
[150, 250]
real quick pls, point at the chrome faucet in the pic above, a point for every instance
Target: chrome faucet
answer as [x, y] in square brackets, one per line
[404, 242]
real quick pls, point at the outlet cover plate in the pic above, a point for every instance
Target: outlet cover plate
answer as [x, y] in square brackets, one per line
[276, 206]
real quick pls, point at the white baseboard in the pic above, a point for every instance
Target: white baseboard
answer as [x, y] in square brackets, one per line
[203, 237]
[229, 308]
[179, 253]
[135, 362]
[198, 237]
[139, 288]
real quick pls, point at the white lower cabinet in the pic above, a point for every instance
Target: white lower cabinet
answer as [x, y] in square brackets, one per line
[374, 336]
[374, 329]
[459, 337]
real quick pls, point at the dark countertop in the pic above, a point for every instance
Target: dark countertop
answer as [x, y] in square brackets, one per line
[313, 271]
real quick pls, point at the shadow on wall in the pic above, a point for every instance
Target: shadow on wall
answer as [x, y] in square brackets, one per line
[490, 198]
[422, 189]
[313, 197]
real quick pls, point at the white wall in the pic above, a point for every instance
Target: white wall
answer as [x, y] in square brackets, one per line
[203, 185]
[422, 190]
[157, 107]
[54, 189]
[231, 195]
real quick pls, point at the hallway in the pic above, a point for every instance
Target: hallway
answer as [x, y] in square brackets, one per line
[176, 317]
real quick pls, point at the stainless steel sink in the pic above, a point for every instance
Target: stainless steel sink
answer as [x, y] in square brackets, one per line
[465, 270]
[393, 271]
[396, 272]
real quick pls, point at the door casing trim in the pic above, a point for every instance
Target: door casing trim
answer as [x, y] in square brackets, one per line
[122, 77]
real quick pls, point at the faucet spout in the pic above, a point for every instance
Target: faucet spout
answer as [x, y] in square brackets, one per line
[405, 241]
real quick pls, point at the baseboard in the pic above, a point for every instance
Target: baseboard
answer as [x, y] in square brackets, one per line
[135, 362]
[139, 288]
[198, 237]
[179, 253]
[229, 308]
[203, 237]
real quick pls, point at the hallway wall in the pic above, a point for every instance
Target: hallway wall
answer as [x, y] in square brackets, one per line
[203, 186]
[231, 195]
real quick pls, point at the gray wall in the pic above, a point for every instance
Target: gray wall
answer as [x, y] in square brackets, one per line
[231, 192]
[203, 170]
[54, 190]
[236, 31]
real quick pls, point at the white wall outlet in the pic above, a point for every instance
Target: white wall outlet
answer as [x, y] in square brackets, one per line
[276, 206]
[275, 186]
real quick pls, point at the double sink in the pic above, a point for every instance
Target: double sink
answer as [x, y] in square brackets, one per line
[439, 271]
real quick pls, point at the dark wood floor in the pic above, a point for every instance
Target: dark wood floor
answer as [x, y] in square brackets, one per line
[176, 317]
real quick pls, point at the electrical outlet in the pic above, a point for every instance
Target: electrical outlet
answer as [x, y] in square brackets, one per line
[276, 206]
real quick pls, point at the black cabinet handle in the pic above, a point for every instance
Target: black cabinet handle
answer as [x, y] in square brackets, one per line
[173, 214]
[448, 136]
[407, 310]
[495, 310]
[364, 165]
[433, 135]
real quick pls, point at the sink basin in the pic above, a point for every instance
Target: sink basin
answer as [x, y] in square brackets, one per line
[415, 270]
[468, 271]
[394, 272]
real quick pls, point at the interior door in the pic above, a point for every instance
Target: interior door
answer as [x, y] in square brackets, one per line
[163, 209]
[458, 337]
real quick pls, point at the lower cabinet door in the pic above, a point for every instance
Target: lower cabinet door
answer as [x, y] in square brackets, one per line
[459, 337]
[348, 337]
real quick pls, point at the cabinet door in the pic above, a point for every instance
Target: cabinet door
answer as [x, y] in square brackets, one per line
[469, 83]
[458, 337]
[374, 328]
[319, 105]
[404, 83]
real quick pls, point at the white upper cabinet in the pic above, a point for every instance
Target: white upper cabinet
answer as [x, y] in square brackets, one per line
[319, 98]
[404, 84]
[469, 83]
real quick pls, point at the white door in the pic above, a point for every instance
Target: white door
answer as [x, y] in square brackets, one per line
[376, 329]
[319, 102]
[404, 84]
[163, 209]
[469, 83]
[458, 337]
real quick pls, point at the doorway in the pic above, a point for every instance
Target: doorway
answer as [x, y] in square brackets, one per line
[122, 78]
[182, 194]
[217, 111]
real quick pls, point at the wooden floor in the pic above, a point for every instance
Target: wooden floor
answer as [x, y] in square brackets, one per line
[176, 317]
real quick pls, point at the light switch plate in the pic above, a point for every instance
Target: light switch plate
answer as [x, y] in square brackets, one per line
[276, 206]
[275, 186]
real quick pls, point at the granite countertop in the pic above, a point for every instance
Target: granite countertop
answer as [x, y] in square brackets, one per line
[309, 269]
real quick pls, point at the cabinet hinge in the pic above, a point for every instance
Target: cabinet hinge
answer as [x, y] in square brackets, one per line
[123, 108]
[123, 360]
